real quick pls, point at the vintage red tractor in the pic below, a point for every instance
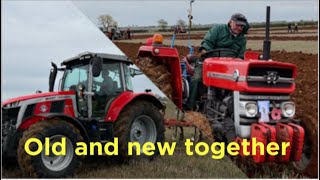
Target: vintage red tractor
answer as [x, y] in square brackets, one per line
[242, 99]
[83, 110]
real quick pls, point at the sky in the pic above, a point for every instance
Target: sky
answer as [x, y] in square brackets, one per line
[145, 13]
[35, 33]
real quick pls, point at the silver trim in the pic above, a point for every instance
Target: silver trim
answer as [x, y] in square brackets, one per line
[225, 76]
[123, 79]
[89, 93]
[263, 97]
[236, 101]
[236, 75]
[263, 79]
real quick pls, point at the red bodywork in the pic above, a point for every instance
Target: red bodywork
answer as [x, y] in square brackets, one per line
[121, 101]
[116, 106]
[39, 95]
[48, 99]
[170, 58]
[218, 72]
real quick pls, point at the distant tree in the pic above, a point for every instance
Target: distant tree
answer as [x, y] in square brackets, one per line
[181, 23]
[163, 24]
[106, 21]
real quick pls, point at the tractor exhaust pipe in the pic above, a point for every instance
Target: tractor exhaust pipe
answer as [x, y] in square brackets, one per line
[266, 42]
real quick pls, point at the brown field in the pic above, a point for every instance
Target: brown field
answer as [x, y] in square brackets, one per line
[306, 40]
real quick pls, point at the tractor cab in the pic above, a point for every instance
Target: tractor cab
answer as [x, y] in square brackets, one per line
[97, 79]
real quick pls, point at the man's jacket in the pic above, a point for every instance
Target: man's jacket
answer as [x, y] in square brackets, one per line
[220, 36]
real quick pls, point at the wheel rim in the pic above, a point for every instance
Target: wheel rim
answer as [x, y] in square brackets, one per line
[143, 130]
[305, 158]
[58, 163]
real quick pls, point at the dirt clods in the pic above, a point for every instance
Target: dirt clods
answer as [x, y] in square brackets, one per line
[201, 122]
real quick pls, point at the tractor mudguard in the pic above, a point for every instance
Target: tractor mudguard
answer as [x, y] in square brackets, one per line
[39, 117]
[124, 99]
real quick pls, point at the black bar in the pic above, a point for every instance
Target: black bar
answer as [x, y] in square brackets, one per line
[266, 42]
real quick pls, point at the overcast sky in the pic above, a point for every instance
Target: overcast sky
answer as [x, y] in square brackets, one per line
[34, 33]
[128, 13]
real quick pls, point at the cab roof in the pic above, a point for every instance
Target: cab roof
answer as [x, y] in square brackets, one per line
[88, 55]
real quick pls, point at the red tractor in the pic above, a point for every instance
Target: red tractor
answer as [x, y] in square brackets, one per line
[83, 110]
[242, 98]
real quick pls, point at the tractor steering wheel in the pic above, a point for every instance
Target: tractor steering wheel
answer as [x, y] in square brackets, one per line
[211, 53]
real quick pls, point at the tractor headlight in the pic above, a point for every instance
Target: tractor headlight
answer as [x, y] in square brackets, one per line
[288, 109]
[248, 108]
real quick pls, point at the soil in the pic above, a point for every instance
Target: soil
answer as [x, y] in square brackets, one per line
[201, 122]
[305, 95]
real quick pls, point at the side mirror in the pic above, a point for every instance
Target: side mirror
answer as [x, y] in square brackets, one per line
[52, 77]
[96, 66]
[134, 72]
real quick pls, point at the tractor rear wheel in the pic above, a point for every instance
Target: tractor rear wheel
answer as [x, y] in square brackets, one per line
[139, 122]
[50, 166]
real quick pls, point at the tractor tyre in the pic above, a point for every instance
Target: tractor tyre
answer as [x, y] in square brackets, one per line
[185, 89]
[140, 122]
[309, 162]
[50, 166]
[157, 73]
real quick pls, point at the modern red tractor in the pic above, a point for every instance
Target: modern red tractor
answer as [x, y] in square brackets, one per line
[243, 98]
[83, 110]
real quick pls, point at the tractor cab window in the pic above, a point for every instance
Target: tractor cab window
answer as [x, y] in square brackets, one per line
[75, 76]
[106, 87]
[109, 81]
[128, 78]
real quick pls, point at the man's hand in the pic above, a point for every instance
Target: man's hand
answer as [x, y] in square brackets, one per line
[203, 51]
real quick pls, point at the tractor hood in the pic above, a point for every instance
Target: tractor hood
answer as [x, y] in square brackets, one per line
[249, 75]
[48, 95]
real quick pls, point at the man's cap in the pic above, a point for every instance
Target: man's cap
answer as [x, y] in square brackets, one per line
[239, 19]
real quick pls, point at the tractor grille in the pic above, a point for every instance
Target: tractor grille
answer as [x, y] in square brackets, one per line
[9, 120]
[29, 111]
[270, 77]
[57, 106]
[10, 114]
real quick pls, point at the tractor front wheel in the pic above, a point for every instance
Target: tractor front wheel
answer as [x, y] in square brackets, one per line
[49, 165]
[139, 122]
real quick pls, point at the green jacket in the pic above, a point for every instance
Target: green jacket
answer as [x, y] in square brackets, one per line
[219, 36]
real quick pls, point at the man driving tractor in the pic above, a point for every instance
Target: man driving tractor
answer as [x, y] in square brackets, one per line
[229, 36]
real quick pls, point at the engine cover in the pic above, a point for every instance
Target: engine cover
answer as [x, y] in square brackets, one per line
[249, 75]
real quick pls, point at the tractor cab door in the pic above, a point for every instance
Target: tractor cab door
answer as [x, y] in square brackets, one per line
[106, 87]
[76, 79]
[94, 95]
